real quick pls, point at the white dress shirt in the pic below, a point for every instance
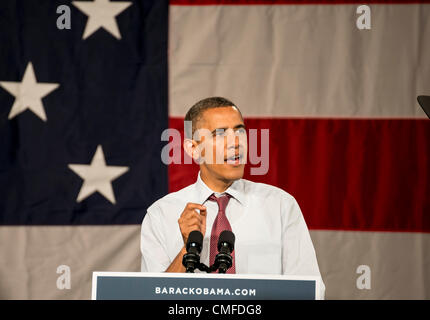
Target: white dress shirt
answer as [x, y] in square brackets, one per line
[271, 233]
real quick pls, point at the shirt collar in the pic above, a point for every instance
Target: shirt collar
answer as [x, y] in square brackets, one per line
[236, 190]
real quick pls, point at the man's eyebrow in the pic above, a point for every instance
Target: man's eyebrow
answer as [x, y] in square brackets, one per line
[239, 126]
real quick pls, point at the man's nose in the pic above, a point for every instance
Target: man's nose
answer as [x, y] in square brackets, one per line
[232, 140]
[235, 141]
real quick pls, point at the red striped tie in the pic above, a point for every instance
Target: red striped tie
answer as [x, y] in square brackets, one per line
[220, 224]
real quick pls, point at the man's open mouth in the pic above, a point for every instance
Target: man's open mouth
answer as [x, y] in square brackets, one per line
[235, 159]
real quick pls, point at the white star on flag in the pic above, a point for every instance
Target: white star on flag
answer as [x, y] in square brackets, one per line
[28, 93]
[97, 176]
[101, 14]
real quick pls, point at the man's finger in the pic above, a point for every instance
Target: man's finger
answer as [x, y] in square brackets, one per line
[191, 205]
[190, 215]
[203, 212]
[194, 221]
[194, 227]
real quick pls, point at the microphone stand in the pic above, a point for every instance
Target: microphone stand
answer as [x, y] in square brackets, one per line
[223, 260]
[214, 267]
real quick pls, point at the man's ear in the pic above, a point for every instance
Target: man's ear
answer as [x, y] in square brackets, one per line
[190, 148]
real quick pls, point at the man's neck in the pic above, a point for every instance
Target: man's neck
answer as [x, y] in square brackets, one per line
[214, 184]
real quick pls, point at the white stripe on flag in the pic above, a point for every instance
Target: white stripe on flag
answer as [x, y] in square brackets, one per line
[398, 261]
[301, 60]
[32, 254]
[398, 264]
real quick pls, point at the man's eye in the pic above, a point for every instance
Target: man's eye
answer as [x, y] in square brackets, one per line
[241, 131]
[219, 133]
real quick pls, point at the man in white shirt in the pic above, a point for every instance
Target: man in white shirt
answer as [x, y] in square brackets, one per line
[271, 233]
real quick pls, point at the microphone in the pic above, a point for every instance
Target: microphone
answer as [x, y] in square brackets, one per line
[191, 260]
[223, 260]
[424, 102]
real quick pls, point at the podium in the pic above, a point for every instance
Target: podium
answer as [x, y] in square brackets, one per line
[202, 286]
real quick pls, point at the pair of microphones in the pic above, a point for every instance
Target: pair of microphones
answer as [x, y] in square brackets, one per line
[223, 260]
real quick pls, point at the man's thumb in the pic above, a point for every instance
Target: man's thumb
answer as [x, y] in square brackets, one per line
[203, 226]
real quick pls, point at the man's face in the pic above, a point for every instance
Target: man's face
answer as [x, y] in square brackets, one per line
[223, 144]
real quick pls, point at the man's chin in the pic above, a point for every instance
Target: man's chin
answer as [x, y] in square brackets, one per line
[233, 172]
[225, 172]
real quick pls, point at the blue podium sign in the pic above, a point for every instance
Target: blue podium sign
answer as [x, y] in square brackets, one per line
[200, 286]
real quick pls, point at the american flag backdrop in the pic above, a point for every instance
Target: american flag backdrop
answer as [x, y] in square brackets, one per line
[83, 109]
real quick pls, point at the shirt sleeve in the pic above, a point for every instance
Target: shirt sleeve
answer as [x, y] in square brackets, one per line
[298, 253]
[152, 243]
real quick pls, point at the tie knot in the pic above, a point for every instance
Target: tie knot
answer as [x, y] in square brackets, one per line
[222, 201]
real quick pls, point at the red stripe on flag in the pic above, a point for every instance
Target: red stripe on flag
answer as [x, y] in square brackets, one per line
[346, 174]
[289, 2]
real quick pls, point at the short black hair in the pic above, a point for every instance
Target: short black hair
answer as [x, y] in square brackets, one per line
[195, 113]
